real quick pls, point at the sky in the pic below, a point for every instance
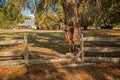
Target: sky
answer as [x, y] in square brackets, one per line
[26, 12]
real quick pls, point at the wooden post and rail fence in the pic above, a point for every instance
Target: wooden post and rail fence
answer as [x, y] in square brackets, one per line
[100, 49]
[26, 60]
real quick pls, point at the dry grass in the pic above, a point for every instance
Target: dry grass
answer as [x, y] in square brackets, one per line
[101, 71]
[53, 42]
[42, 40]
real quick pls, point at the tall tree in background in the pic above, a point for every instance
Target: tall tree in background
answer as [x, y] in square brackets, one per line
[10, 13]
[111, 11]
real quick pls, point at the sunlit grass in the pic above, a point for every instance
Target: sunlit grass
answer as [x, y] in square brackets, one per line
[49, 40]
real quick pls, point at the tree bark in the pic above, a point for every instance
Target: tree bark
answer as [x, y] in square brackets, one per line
[72, 30]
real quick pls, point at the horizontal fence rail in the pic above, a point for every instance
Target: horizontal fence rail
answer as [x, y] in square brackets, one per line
[101, 49]
[40, 61]
[101, 38]
[26, 53]
[12, 62]
[102, 59]
[36, 61]
[11, 42]
[31, 52]
[15, 53]
[11, 53]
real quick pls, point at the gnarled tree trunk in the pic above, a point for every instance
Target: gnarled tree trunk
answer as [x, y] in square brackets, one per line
[72, 30]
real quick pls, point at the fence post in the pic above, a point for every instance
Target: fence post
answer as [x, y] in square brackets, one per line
[82, 46]
[26, 55]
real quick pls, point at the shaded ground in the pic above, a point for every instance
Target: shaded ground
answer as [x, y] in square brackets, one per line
[53, 42]
[101, 71]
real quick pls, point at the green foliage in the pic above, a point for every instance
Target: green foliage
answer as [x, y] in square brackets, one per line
[10, 14]
[49, 13]
[99, 11]
[111, 11]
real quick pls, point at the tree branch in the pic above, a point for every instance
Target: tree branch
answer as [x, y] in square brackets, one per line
[51, 18]
[79, 3]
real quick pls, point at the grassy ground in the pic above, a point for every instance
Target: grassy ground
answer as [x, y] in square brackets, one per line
[54, 42]
[98, 71]
[44, 40]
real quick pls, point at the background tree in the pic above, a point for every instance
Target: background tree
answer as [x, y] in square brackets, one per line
[51, 10]
[111, 11]
[85, 16]
[10, 13]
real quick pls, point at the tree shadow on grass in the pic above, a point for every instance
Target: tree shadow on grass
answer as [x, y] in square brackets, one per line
[2, 38]
[45, 72]
[37, 72]
[98, 71]
[104, 71]
[11, 36]
[54, 40]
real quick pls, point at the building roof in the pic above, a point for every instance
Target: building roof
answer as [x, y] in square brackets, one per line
[27, 23]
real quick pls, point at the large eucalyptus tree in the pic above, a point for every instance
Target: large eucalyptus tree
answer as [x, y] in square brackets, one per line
[70, 8]
[71, 19]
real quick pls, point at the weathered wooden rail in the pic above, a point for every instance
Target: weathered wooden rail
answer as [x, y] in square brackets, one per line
[26, 60]
[23, 53]
[11, 42]
[99, 49]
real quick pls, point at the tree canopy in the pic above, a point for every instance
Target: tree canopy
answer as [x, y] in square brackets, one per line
[10, 13]
[49, 12]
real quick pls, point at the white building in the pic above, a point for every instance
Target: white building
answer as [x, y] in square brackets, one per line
[28, 23]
